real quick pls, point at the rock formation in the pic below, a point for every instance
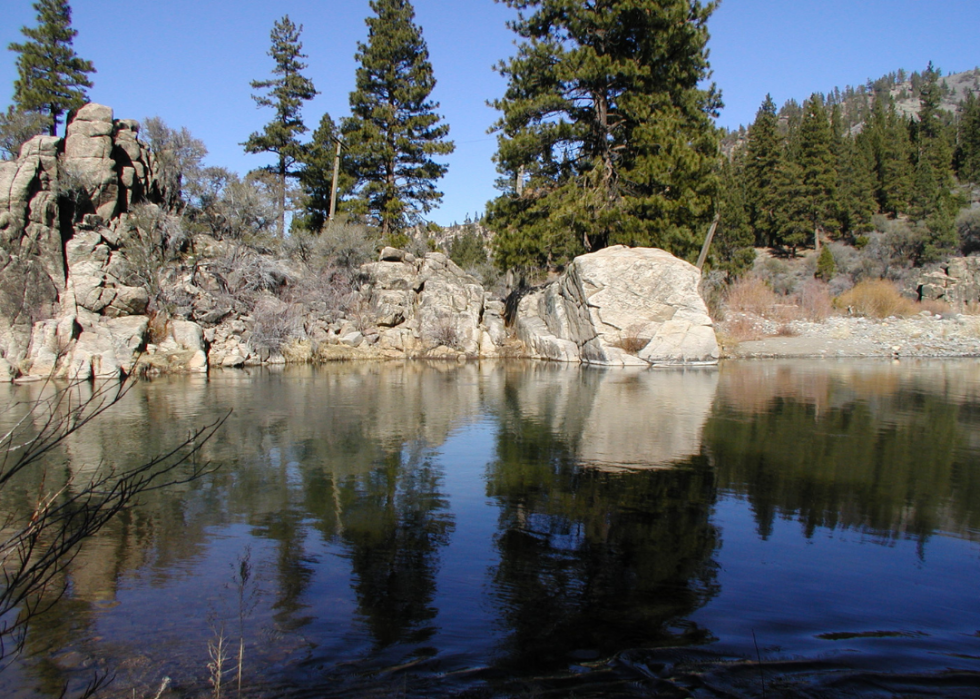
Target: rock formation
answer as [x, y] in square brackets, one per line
[958, 283]
[85, 290]
[621, 307]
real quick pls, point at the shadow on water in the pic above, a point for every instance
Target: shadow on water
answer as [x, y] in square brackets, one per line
[534, 530]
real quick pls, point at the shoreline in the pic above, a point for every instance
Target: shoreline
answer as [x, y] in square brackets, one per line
[925, 336]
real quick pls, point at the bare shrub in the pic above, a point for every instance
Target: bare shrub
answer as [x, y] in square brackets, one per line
[244, 272]
[75, 184]
[739, 329]
[814, 300]
[631, 339]
[786, 330]
[38, 543]
[750, 295]
[712, 289]
[878, 298]
[17, 127]
[443, 332]
[276, 323]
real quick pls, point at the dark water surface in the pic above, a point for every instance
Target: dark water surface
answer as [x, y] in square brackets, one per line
[535, 530]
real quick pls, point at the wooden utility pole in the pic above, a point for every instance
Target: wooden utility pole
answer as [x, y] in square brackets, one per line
[333, 185]
[707, 242]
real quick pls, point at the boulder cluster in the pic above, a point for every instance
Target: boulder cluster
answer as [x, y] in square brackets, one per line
[77, 287]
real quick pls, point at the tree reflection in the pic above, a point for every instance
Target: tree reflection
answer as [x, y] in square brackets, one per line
[394, 521]
[591, 561]
[880, 455]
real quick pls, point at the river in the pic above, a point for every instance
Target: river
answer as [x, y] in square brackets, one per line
[763, 528]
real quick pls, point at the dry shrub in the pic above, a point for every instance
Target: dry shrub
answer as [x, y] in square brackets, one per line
[750, 295]
[630, 339]
[814, 300]
[737, 330]
[443, 332]
[276, 323]
[877, 298]
[786, 330]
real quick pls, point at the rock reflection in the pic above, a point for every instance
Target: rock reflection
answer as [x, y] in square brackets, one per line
[879, 448]
[594, 560]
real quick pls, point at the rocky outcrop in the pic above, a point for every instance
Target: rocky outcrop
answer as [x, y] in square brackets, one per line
[89, 290]
[423, 304]
[958, 283]
[620, 307]
[71, 305]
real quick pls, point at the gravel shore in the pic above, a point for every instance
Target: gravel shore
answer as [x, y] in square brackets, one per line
[924, 335]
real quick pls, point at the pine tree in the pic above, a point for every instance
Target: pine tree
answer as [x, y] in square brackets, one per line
[606, 133]
[968, 150]
[732, 249]
[817, 167]
[394, 131]
[855, 187]
[764, 149]
[933, 179]
[316, 176]
[285, 94]
[51, 78]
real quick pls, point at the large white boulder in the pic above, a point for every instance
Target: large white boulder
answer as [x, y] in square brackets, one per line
[621, 307]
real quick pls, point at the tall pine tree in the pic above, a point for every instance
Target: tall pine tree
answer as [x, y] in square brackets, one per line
[285, 94]
[51, 78]
[606, 133]
[393, 131]
[764, 150]
[818, 169]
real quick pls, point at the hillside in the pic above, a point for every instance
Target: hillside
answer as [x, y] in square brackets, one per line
[855, 102]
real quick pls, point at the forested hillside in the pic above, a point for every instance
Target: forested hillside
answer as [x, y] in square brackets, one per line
[899, 155]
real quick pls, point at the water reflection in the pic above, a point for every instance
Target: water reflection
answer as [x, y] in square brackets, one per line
[886, 449]
[593, 560]
[589, 501]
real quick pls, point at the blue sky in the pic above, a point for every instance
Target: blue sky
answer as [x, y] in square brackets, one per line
[190, 61]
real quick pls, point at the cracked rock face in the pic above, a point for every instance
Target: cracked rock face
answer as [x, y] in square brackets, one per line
[68, 306]
[621, 307]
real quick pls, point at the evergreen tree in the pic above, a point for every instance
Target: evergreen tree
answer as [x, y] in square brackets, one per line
[885, 138]
[764, 149]
[285, 94]
[606, 134]
[791, 217]
[316, 176]
[855, 187]
[968, 150]
[394, 131]
[817, 168]
[933, 157]
[51, 78]
[732, 247]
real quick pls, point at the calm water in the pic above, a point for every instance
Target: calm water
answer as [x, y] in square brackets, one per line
[536, 530]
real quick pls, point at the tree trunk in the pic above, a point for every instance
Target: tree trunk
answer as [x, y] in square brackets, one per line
[281, 223]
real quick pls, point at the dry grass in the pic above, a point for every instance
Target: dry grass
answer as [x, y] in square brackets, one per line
[935, 306]
[876, 299]
[786, 330]
[736, 330]
[751, 295]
